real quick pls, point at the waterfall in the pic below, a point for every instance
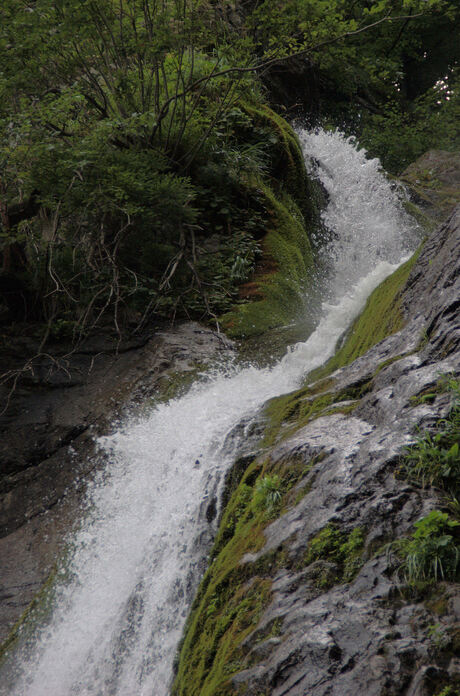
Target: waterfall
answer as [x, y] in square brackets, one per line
[135, 562]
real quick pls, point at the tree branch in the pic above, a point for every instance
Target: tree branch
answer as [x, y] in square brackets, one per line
[268, 62]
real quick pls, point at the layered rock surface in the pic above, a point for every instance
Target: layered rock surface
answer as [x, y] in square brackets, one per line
[322, 633]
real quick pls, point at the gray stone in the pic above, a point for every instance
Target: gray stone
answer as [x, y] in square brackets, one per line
[363, 637]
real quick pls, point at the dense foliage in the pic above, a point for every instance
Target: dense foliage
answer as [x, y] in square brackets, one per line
[111, 124]
[387, 71]
[134, 160]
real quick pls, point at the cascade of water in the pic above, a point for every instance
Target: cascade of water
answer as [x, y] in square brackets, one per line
[363, 210]
[137, 557]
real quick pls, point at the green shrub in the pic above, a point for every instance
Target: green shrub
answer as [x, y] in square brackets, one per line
[268, 493]
[435, 457]
[432, 552]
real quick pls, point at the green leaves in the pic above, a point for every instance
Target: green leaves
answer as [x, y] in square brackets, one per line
[433, 551]
[268, 493]
[435, 458]
[127, 121]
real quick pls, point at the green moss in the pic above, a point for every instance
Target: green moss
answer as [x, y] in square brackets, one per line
[273, 630]
[333, 545]
[233, 594]
[288, 163]
[381, 317]
[276, 294]
[278, 290]
[288, 413]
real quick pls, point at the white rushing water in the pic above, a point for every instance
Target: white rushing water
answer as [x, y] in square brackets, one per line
[136, 559]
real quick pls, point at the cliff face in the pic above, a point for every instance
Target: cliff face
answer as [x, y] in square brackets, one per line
[309, 590]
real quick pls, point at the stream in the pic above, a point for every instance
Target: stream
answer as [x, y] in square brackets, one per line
[136, 559]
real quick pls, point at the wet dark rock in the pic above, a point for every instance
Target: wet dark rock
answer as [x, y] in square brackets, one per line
[47, 440]
[211, 510]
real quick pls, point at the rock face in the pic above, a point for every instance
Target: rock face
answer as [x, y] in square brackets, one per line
[362, 638]
[297, 623]
[47, 450]
[324, 632]
[434, 180]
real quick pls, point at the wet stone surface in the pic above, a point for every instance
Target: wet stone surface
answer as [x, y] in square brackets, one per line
[47, 443]
[366, 636]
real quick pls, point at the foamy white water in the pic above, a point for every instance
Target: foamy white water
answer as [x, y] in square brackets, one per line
[364, 211]
[137, 558]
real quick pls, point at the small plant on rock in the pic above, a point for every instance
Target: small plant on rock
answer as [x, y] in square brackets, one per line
[346, 550]
[435, 457]
[268, 492]
[433, 551]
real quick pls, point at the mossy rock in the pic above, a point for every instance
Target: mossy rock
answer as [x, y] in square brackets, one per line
[286, 414]
[434, 182]
[344, 550]
[276, 295]
[212, 647]
[382, 316]
[235, 590]
[288, 163]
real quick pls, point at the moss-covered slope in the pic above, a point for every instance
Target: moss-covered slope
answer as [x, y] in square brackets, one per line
[275, 295]
[234, 592]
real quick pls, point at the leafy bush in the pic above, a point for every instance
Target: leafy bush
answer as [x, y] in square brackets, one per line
[134, 148]
[433, 550]
[435, 458]
[268, 492]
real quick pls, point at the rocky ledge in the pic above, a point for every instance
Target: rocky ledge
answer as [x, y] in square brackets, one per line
[312, 595]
